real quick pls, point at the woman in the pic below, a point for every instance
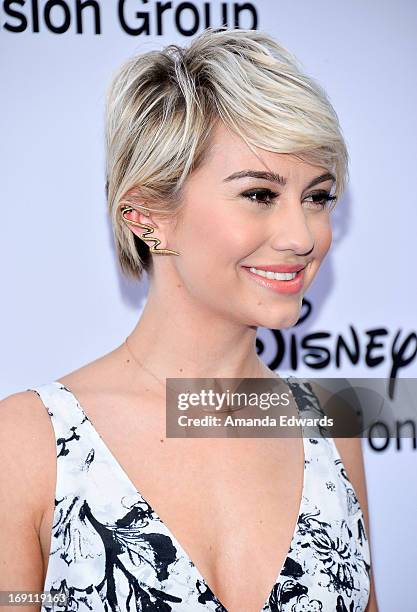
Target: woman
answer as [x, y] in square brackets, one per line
[223, 163]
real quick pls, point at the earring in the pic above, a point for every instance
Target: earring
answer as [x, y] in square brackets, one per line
[150, 230]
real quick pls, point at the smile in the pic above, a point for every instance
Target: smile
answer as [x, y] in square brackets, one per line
[279, 282]
[276, 275]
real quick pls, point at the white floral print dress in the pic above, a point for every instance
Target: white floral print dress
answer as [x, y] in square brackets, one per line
[111, 552]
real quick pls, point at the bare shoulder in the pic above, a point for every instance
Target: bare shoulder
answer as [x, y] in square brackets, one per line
[27, 448]
[27, 460]
[104, 372]
[27, 438]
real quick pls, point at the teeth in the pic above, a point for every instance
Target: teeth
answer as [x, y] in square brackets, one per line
[274, 275]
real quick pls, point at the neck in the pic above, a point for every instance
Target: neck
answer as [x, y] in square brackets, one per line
[175, 338]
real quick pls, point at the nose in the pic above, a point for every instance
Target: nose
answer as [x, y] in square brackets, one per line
[291, 228]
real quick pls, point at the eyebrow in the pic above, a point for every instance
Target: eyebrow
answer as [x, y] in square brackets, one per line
[276, 178]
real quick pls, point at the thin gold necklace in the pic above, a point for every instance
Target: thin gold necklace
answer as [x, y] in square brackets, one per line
[229, 409]
[142, 365]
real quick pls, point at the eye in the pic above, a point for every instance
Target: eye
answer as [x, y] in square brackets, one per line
[321, 199]
[263, 196]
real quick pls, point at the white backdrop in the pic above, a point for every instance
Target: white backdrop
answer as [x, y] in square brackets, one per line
[64, 303]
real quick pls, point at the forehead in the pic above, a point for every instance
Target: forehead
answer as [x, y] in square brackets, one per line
[228, 153]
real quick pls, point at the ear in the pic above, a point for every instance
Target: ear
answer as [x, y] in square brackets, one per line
[138, 215]
[143, 213]
[155, 229]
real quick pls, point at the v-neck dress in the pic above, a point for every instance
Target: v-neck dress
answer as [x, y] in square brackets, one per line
[111, 552]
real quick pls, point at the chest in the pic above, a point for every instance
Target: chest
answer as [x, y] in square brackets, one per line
[232, 504]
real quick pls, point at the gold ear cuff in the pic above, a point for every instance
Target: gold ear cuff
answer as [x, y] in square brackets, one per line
[149, 230]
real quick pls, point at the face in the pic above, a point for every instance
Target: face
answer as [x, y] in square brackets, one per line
[231, 223]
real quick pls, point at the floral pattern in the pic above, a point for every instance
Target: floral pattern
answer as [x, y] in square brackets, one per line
[111, 552]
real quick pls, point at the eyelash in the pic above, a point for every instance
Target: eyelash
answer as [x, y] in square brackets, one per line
[325, 198]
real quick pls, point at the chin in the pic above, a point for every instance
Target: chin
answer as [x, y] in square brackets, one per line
[285, 324]
[277, 320]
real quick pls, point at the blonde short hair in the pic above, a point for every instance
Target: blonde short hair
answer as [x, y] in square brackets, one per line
[162, 106]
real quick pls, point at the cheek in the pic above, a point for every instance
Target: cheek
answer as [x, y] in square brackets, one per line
[216, 236]
[322, 233]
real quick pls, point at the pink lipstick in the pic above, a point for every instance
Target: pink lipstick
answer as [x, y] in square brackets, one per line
[288, 287]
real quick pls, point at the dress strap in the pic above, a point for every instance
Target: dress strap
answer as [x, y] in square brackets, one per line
[60, 404]
[307, 400]
[66, 418]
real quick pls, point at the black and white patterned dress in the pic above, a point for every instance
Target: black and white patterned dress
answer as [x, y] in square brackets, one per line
[110, 551]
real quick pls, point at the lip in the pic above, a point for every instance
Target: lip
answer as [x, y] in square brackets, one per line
[279, 267]
[288, 287]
